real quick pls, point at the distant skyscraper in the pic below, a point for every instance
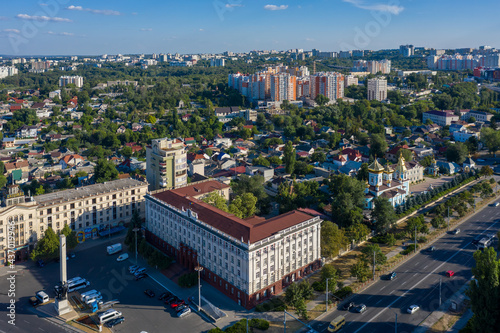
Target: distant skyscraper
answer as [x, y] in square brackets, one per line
[377, 89]
[221, 62]
[407, 50]
[76, 80]
[328, 84]
[283, 87]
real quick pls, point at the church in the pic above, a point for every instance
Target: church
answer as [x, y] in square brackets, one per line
[388, 183]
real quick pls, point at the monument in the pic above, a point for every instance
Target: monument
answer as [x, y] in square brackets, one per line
[61, 304]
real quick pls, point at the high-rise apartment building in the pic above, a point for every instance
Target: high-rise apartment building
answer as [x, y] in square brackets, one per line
[407, 50]
[217, 62]
[328, 84]
[350, 80]
[382, 66]
[283, 87]
[7, 71]
[377, 89]
[76, 80]
[166, 164]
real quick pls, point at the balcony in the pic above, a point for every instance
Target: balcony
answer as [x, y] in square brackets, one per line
[163, 182]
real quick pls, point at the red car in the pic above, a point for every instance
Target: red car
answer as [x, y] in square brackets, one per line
[176, 304]
[450, 273]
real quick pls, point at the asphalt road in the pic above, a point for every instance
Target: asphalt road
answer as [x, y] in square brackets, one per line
[418, 281]
[113, 280]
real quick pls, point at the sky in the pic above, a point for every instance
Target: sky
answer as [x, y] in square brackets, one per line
[74, 27]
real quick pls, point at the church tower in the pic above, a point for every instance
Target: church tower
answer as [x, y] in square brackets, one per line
[375, 174]
[400, 172]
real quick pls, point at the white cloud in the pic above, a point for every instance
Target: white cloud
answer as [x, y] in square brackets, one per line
[274, 7]
[202, 29]
[229, 5]
[94, 11]
[42, 18]
[60, 33]
[146, 29]
[12, 30]
[310, 39]
[377, 7]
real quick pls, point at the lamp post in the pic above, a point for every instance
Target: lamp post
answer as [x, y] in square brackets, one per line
[396, 322]
[135, 230]
[327, 292]
[199, 269]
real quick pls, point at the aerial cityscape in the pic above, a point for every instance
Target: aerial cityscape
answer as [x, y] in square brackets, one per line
[231, 166]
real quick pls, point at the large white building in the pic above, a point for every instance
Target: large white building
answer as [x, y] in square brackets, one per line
[89, 210]
[249, 260]
[377, 89]
[7, 71]
[441, 118]
[76, 80]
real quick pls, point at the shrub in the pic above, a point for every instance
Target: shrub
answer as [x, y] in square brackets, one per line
[379, 239]
[267, 306]
[260, 324]
[409, 249]
[260, 308]
[422, 239]
[188, 280]
[343, 293]
[319, 286]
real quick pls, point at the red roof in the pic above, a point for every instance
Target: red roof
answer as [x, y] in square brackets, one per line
[251, 230]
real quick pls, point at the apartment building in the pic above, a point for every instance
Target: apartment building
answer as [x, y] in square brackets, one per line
[407, 50]
[166, 161]
[7, 71]
[478, 115]
[88, 210]
[76, 80]
[377, 89]
[249, 260]
[350, 80]
[441, 118]
[283, 87]
[329, 84]
[382, 66]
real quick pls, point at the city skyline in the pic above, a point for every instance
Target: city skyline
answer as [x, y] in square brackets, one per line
[62, 27]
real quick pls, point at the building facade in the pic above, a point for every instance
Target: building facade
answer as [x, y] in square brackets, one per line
[88, 210]
[377, 89]
[328, 84]
[76, 80]
[441, 118]
[166, 161]
[248, 260]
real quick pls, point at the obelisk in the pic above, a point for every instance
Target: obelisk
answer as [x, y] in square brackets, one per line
[61, 304]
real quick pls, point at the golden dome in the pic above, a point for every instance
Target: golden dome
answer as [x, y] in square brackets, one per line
[401, 167]
[388, 169]
[376, 167]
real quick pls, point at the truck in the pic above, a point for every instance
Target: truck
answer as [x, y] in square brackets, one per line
[115, 248]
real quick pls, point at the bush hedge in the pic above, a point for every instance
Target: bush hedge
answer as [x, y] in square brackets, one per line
[343, 292]
[188, 280]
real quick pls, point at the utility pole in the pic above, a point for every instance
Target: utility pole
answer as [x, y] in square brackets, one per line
[374, 265]
[415, 245]
[440, 279]
[396, 322]
[284, 322]
[135, 230]
[326, 304]
[449, 215]
[199, 269]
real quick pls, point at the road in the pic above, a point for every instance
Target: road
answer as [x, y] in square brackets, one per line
[418, 280]
[113, 280]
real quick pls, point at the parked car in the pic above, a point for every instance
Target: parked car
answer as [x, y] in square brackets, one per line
[34, 301]
[360, 308]
[149, 292]
[122, 257]
[347, 306]
[450, 273]
[172, 299]
[71, 255]
[140, 276]
[133, 268]
[184, 312]
[165, 295]
[391, 276]
[176, 304]
[180, 307]
[115, 321]
[412, 309]
[40, 263]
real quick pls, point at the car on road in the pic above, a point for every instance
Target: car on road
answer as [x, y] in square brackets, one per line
[115, 321]
[347, 306]
[34, 301]
[450, 273]
[412, 309]
[165, 295]
[122, 257]
[391, 276]
[184, 312]
[140, 276]
[456, 231]
[40, 263]
[430, 249]
[360, 308]
[133, 268]
[176, 304]
[149, 292]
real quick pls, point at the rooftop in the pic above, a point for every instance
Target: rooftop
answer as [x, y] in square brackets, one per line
[87, 191]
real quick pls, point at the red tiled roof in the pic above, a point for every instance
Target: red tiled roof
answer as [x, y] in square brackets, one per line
[251, 230]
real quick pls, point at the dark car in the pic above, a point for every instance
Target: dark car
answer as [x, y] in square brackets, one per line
[347, 306]
[140, 276]
[360, 308]
[172, 299]
[176, 304]
[391, 276]
[149, 292]
[115, 322]
[40, 263]
[34, 301]
[430, 249]
[71, 255]
[456, 231]
[165, 295]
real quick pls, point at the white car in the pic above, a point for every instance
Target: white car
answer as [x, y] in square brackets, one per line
[122, 257]
[412, 309]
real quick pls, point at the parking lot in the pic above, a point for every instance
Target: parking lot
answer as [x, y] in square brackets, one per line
[114, 281]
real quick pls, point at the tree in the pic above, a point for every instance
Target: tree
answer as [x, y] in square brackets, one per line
[47, 247]
[261, 161]
[348, 200]
[321, 99]
[416, 223]
[127, 151]
[357, 232]
[318, 156]
[407, 154]
[383, 214]
[457, 152]
[216, 200]
[333, 239]
[484, 292]
[289, 157]
[486, 171]
[71, 241]
[243, 206]
[105, 171]
[332, 274]
[368, 250]
[360, 270]
[363, 172]
[491, 139]
[378, 145]
[426, 161]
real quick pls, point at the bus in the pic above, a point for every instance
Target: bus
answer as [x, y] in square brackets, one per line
[336, 324]
[77, 284]
[108, 315]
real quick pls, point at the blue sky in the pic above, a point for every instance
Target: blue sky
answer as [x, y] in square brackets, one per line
[66, 27]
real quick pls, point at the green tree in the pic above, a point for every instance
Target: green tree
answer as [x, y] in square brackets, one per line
[383, 214]
[491, 139]
[484, 292]
[243, 206]
[261, 161]
[216, 200]
[363, 172]
[360, 270]
[426, 161]
[407, 154]
[318, 156]
[348, 199]
[47, 247]
[333, 239]
[332, 274]
[457, 152]
[357, 232]
[289, 157]
[416, 223]
[321, 99]
[71, 241]
[369, 250]
[105, 171]
[378, 145]
[486, 171]
[126, 151]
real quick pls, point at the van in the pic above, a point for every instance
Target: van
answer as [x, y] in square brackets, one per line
[336, 324]
[90, 299]
[88, 293]
[42, 296]
[108, 315]
[89, 296]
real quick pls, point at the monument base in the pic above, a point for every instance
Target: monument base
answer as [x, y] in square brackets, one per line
[62, 306]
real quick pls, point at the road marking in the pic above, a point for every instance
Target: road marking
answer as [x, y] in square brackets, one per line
[392, 292]
[415, 274]
[370, 297]
[407, 270]
[416, 284]
[403, 283]
[41, 329]
[383, 287]
[426, 266]
[418, 262]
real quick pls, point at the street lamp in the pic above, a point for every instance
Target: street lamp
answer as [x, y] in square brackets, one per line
[396, 323]
[135, 230]
[327, 292]
[199, 269]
